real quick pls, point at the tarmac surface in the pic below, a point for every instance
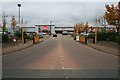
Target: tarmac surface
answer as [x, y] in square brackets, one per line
[60, 57]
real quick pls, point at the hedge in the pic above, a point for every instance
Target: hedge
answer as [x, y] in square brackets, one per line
[110, 37]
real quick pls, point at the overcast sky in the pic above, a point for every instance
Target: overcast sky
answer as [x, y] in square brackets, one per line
[60, 13]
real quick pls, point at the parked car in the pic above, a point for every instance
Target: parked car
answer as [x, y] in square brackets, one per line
[54, 34]
[64, 33]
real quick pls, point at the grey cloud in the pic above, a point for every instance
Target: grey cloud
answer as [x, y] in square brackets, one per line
[60, 13]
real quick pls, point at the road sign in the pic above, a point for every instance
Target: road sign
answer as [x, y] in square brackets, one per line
[77, 38]
[45, 27]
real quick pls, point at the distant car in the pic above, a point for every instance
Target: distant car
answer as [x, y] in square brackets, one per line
[54, 34]
[44, 33]
[64, 33]
[71, 32]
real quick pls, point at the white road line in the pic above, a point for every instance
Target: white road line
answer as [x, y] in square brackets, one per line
[61, 58]
[63, 67]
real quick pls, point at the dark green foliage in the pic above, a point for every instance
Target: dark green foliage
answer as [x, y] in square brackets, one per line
[18, 34]
[90, 36]
[73, 35]
[117, 39]
[5, 38]
[110, 37]
[101, 36]
[25, 34]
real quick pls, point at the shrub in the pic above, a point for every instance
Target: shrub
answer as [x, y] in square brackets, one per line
[5, 38]
[111, 37]
[90, 35]
[117, 39]
[18, 34]
[101, 36]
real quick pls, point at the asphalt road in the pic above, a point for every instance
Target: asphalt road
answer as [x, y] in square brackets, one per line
[60, 57]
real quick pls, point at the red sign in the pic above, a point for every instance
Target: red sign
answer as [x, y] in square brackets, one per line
[45, 27]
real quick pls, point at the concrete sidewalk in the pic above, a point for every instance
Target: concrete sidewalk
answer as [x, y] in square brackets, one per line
[19, 46]
[108, 47]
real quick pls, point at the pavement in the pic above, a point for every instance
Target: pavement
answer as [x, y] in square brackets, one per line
[104, 46]
[13, 47]
[107, 47]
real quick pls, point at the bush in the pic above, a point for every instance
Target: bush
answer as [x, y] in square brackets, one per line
[90, 35]
[18, 34]
[101, 36]
[117, 40]
[111, 37]
[5, 38]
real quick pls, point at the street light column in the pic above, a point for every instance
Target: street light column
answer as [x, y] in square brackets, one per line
[19, 14]
[50, 27]
[19, 5]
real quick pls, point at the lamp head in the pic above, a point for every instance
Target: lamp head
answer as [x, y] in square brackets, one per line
[19, 5]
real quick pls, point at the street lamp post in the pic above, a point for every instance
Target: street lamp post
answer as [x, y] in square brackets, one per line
[19, 5]
[50, 26]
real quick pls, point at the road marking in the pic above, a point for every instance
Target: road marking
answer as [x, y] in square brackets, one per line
[63, 68]
[61, 59]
